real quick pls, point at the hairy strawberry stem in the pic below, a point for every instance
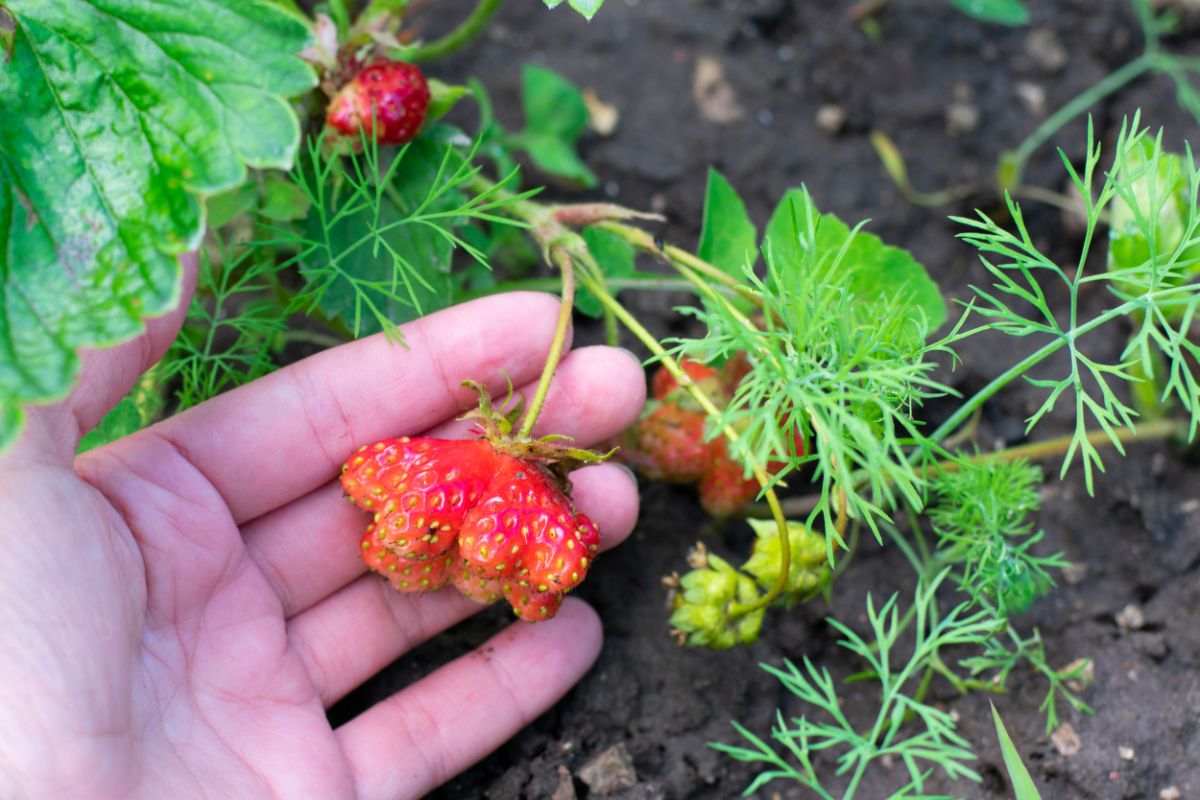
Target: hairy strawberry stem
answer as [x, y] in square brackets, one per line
[461, 36]
[562, 259]
[677, 257]
[685, 382]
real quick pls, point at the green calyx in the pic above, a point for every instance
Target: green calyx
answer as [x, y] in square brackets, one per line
[808, 569]
[702, 600]
[554, 452]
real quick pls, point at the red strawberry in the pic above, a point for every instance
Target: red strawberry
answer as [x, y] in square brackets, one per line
[420, 489]
[663, 383]
[531, 605]
[392, 96]
[405, 575]
[525, 529]
[724, 488]
[668, 444]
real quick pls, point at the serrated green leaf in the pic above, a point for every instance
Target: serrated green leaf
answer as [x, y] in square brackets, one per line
[728, 237]
[117, 116]
[615, 257]
[872, 272]
[555, 118]
[1004, 12]
[1022, 784]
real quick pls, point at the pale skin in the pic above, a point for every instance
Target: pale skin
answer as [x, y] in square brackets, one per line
[179, 608]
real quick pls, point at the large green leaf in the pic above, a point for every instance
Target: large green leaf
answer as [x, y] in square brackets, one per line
[728, 237]
[116, 118]
[872, 273]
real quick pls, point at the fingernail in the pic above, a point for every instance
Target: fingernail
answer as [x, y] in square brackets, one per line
[628, 471]
[637, 360]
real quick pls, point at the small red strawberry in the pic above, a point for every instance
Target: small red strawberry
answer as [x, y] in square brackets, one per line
[724, 488]
[420, 489]
[668, 444]
[389, 98]
[406, 575]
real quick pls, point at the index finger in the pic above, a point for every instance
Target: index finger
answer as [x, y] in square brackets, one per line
[288, 433]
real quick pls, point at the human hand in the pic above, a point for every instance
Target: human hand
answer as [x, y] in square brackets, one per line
[179, 608]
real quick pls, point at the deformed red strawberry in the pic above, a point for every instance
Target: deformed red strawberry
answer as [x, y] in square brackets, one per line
[387, 99]
[405, 574]
[419, 489]
[525, 529]
[472, 514]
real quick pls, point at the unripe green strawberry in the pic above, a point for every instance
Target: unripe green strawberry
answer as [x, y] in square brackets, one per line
[405, 574]
[387, 99]
[419, 489]
[808, 569]
[703, 599]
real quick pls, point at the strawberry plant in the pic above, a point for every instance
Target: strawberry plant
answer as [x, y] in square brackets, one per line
[800, 404]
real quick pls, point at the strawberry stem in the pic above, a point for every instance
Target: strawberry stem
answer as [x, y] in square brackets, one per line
[685, 381]
[460, 37]
[566, 249]
[562, 259]
[677, 257]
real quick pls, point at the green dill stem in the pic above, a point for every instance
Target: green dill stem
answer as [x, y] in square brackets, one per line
[461, 36]
[562, 259]
[1082, 102]
[673, 255]
[1020, 368]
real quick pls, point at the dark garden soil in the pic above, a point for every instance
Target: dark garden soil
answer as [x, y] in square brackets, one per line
[805, 88]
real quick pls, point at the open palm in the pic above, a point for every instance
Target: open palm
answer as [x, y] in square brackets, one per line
[178, 608]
